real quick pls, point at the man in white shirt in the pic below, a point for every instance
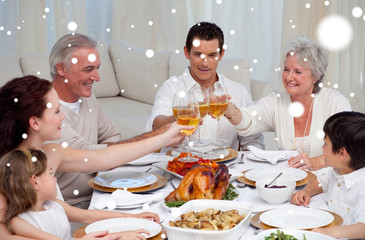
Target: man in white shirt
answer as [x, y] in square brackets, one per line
[204, 49]
[74, 62]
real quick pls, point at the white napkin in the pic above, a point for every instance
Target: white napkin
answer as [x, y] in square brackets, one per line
[124, 198]
[272, 156]
[151, 158]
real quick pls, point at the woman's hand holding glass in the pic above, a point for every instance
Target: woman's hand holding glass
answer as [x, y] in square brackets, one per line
[218, 104]
[188, 114]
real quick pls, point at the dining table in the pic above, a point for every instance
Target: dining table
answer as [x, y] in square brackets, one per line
[247, 194]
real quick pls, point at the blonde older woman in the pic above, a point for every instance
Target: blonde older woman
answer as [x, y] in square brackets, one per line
[304, 68]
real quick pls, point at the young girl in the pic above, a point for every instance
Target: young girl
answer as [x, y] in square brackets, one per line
[29, 187]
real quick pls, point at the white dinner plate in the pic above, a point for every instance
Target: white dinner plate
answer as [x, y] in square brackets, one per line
[150, 158]
[130, 206]
[251, 156]
[125, 179]
[296, 218]
[290, 173]
[295, 233]
[212, 155]
[124, 224]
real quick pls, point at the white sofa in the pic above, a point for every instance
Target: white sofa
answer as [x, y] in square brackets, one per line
[130, 80]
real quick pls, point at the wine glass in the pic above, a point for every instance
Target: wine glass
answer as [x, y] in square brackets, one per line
[201, 95]
[188, 114]
[218, 104]
[179, 102]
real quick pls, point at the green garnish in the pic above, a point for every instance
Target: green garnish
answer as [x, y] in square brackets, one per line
[231, 194]
[175, 204]
[280, 235]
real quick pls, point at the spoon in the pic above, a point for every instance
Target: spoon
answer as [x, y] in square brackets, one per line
[241, 185]
[267, 185]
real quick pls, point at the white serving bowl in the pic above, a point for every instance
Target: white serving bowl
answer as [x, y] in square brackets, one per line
[275, 195]
[176, 233]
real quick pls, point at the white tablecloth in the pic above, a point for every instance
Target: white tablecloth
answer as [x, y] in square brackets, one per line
[248, 195]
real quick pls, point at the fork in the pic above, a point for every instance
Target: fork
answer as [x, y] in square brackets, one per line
[169, 177]
[232, 165]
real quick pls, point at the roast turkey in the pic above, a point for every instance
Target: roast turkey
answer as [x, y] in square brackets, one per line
[202, 182]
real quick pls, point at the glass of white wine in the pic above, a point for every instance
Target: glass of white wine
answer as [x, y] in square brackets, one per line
[179, 102]
[188, 115]
[218, 104]
[201, 95]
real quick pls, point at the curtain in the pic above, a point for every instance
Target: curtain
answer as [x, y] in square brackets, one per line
[346, 67]
[252, 28]
[8, 28]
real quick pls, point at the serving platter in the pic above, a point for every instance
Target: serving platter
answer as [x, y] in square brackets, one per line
[256, 222]
[161, 182]
[302, 182]
[231, 155]
[162, 202]
[163, 166]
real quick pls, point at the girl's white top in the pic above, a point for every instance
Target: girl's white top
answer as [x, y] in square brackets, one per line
[52, 220]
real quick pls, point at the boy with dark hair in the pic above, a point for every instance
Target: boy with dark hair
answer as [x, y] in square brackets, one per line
[344, 181]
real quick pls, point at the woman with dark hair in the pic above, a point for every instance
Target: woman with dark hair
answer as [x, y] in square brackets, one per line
[30, 116]
[305, 63]
[20, 99]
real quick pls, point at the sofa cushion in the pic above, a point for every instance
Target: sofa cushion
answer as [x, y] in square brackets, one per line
[138, 76]
[36, 64]
[128, 116]
[259, 89]
[235, 69]
[9, 68]
[108, 86]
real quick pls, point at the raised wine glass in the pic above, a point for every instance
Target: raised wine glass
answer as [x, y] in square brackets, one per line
[218, 104]
[188, 115]
[179, 102]
[201, 95]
